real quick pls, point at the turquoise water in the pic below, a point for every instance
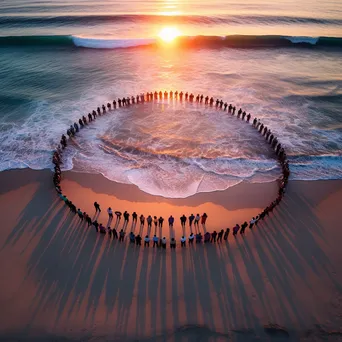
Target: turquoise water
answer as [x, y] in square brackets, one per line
[59, 60]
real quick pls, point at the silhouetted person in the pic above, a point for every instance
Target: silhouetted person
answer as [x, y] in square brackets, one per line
[115, 234]
[134, 216]
[235, 230]
[199, 237]
[207, 237]
[204, 218]
[183, 241]
[121, 235]
[213, 236]
[191, 219]
[149, 221]
[126, 216]
[226, 234]
[80, 214]
[243, 228]
[160, 220]
[171, 220]
[131, 237]
[97, 207]
[96, 225]
[183, 220]
[155, 221]
[138, 240]
[220, 235]
[173, 243]
[142, 219]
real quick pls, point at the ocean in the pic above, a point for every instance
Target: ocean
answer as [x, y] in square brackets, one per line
[279, 61]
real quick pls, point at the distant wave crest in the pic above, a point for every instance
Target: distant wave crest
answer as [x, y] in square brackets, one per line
[65, 20]
[233, 41]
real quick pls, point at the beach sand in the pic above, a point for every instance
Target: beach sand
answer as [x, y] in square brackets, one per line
[60, 280]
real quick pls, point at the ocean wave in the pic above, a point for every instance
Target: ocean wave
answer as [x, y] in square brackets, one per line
[232, 41]
[19, 21]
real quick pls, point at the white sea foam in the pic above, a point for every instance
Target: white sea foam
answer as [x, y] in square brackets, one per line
[309, 40]
[167, 149]
[102, 43]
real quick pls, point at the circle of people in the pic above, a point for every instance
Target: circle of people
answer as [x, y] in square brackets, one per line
[160, 241]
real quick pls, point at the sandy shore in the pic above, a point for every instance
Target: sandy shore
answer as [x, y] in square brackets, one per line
[61, 280]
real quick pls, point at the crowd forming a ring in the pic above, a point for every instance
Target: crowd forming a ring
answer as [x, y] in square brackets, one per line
[192, 220]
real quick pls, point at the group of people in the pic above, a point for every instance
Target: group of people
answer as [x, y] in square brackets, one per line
[158, 222]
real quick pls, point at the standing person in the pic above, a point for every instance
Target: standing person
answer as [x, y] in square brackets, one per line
[149, 221]
[115, 234]
[252, 222]
[88, 219]
[226, 234]
[173, 243]
[142, 219]
[96, 225]
[207, 237]
[191, 219]
[191, 239]
[155, 241]
[243, 227]
[161, 220]
[121, 235]
[197, 218]
[138, 240]
[171, 220]
[134, 217]
[126, 216]
[235, 230]
[220, 236]
[213, 236]
[183, 220]
[147, 241]
[199, 237]
[97, 207]
[155, 221]
[110, 212]
[183, 241]
[131, 237]
[163, 242]
[102, 229]
[204, 218]
[80, 214]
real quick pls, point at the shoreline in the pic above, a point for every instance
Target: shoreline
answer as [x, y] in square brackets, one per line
[64, 280]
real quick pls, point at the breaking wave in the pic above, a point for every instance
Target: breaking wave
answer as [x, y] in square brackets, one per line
[232, 41]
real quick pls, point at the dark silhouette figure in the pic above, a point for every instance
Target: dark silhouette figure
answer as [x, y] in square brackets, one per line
[97, 207]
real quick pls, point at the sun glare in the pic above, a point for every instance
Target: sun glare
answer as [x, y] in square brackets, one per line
[168, 34]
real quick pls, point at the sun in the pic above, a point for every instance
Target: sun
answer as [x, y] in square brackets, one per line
[168, 34]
